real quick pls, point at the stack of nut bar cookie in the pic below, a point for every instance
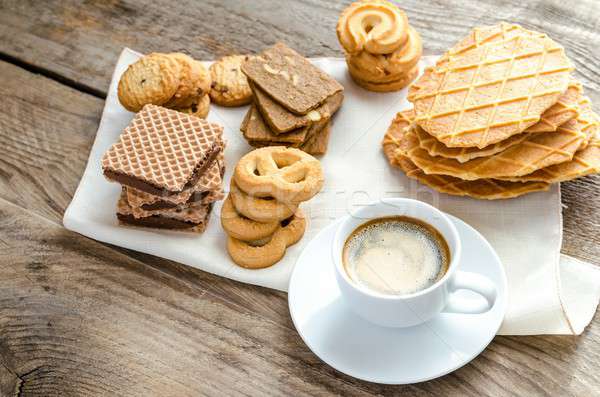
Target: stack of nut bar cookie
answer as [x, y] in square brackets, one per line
[293, 101]
[170, 165]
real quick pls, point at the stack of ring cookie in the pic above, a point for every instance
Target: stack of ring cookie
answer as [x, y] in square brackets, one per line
[175, 81]
[261, 215]
[382, 49]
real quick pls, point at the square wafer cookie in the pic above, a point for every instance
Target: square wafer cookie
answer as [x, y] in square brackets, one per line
[211, 180]
[162, 151]
[193, 218]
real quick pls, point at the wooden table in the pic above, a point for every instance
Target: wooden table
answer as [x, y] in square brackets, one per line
[78, 317]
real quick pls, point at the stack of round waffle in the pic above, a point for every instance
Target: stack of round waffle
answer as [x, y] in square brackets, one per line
[498, 116]
[261, 215]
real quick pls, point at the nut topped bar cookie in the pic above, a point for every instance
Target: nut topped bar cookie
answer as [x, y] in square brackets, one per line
[171, 167]
[293, 101]
[290, 79]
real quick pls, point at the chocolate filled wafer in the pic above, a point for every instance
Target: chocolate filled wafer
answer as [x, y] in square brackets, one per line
[192, 218]
[211, 180]
[163, 151]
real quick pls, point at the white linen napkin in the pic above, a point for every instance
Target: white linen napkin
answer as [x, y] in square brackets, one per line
[548, 294]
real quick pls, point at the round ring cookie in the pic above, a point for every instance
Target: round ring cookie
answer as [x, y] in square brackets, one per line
[267, 252]
[229, 85]
[251, 256]
[294, 227]
[286, 174]
[260, 209]
[242, 228]
[153, 79]
[376, 26]
[199, 108]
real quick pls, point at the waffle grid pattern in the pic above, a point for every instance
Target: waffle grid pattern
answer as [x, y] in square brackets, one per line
[211, 180]
[468, 105]
[162, 147]
[538, 151]
[464, 154]
[585, 162]
[194, 213]
[487, 189]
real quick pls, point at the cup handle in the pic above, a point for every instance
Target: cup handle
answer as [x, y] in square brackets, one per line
[473, 282]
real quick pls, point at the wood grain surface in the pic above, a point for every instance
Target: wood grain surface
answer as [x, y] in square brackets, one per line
[78, 317]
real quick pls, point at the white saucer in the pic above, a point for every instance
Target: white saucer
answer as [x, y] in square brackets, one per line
[366, 351]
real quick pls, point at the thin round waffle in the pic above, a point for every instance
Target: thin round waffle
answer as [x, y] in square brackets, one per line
[585, 162]
[535, 152]
[565, 109]
[488, 189]
[489, 91]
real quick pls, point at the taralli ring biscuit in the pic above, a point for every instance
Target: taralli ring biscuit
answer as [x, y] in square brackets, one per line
[267, 252]
[242, 228]
[260, 209]
[153, 79]
[286, 174]
[229, 85]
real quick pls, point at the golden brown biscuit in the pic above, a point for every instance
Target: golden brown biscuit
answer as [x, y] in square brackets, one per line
[243, 228]
[229, 85]
[387, 86]
[260, 209]
[153, 79]
[266, 252]
[286, 174]
[199, 107]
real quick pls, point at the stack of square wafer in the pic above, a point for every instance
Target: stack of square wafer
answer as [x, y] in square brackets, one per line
[498, 116]
[293, 101]
[170, 166]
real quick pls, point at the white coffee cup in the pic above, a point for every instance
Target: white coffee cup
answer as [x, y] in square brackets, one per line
[416, 308]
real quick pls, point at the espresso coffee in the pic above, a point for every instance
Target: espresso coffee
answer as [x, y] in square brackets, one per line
[396, 255]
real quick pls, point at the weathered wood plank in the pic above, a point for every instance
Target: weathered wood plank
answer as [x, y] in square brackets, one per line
[79, 318]
[81, 41]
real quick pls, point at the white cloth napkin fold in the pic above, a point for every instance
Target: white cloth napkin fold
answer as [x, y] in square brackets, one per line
[548, 294]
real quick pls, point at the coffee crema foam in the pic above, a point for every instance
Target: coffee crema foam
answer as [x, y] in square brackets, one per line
[396, 255]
